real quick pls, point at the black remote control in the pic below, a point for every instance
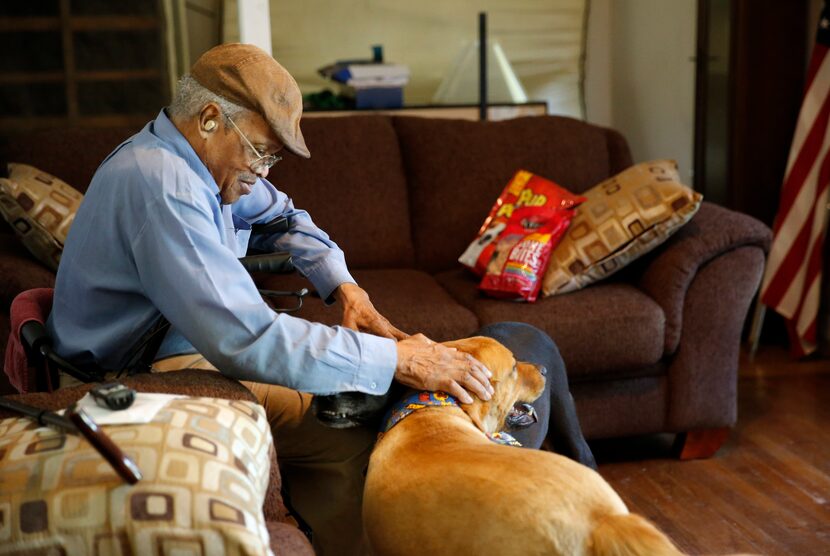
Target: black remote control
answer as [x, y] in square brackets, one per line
[113, 395]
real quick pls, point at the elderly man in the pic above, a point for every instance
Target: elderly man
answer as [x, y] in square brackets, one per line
[159, 232]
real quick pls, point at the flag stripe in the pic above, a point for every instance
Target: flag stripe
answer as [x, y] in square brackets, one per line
[814, 97]
[803, 160]
[816, 59]
[803, 314]
[792, 280]
[782, 290]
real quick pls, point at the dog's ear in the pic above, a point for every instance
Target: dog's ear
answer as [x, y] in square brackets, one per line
[532, 379]
[477, 411]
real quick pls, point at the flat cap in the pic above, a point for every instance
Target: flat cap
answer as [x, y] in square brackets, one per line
[250, 77]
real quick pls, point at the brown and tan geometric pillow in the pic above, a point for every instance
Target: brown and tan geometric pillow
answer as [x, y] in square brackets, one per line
[205, 464]
[625, 216]
[40, 208]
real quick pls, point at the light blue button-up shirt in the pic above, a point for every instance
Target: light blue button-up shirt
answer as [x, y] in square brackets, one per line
[151, 237]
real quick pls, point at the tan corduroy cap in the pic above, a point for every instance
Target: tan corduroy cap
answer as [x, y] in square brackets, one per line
[250, 77]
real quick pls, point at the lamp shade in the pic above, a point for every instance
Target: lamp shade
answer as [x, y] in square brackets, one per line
[460, 83]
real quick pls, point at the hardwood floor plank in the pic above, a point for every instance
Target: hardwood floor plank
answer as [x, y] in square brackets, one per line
[767, 491]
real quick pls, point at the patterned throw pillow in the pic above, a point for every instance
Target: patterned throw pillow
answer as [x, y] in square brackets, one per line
[40, 208]
[205, 464]
[625, 216]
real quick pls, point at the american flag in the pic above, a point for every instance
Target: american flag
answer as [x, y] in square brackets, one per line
[792, 279]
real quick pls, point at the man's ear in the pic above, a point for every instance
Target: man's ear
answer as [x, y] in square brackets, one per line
[209, 118]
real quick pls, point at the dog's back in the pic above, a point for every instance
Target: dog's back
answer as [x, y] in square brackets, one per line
[457, 493]
[437, 485]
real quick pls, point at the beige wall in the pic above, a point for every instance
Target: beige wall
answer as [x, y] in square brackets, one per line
[639, 70]
[640, 75]
[598, 64]
[541, 38]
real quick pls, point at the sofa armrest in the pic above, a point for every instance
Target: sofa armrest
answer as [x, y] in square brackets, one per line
[703, 373]
[713, 232]
[187, 382]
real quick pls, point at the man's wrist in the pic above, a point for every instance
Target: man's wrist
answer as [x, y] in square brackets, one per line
[347, 290]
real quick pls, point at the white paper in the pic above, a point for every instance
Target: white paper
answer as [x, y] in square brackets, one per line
[143, 409]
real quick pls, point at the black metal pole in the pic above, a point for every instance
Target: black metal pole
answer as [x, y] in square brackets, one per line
[482, 66]
[77, 421]
[41, 416]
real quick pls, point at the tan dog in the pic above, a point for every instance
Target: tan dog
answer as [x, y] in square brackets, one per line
[437, 485]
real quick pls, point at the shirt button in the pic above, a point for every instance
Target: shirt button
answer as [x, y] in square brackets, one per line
[374, 385]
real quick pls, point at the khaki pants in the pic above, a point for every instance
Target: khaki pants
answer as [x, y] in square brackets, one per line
[322, 468]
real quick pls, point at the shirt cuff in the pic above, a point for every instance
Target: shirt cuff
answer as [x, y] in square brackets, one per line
[378, 361]
[327, 276]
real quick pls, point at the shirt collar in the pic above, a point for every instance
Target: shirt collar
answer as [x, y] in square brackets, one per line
[165, 130]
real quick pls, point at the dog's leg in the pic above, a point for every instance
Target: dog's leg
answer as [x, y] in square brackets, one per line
[555, 406]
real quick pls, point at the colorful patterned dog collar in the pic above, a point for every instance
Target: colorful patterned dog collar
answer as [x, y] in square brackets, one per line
[419, 400]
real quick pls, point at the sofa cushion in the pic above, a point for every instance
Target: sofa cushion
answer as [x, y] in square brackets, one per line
[205, 463]
[353, 187]
[411, 300]
[40, 208]
[71, 153]
[604, 330]
[624, 217]
[456, 169]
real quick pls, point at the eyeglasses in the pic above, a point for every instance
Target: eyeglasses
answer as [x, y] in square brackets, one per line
[263, 161]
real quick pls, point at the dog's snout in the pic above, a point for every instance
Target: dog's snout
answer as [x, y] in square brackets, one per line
[542, 370]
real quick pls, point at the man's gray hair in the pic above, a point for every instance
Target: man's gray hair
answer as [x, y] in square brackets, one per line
[191, 97]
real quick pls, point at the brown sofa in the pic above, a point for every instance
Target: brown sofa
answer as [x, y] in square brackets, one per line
[652, 349]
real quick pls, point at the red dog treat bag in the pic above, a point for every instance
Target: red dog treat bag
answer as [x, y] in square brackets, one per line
[514, 244]
[522, 253]
[525, 189]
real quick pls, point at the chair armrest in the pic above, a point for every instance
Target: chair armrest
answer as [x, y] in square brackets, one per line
[713, 232]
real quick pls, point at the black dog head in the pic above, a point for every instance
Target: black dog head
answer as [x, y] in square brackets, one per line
[352, 409]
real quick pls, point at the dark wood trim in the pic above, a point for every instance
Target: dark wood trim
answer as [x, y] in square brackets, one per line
[701, 86]
[13, 24]
[118, 75]
[79, 23]
[113, 23]
[14, 78]
[69, 61]
[768, 67]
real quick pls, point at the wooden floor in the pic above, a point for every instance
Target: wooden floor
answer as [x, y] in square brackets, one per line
[767, 491]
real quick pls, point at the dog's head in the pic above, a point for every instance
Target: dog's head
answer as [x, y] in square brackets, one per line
[347, 410]
[516, 384]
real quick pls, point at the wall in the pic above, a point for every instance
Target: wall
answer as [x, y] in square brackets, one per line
[639, 70]
[541, 38]
[640, 75]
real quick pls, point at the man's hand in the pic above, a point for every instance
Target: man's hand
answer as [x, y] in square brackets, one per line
[425, 365]
[359, 313]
